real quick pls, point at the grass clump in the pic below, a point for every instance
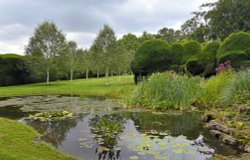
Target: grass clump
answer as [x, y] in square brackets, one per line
[167, 91]
[211, 89]
[237, 91]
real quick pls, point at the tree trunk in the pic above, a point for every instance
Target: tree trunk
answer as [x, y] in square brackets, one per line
[107, 76]
[87, 73]
[97, 74]
[47, 76]
[71, 74]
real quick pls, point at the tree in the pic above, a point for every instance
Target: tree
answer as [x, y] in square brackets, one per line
[86, 60]
[130, 42]
[72, 58]
[102, 48]
[168, 34]
[145, 37]
[44, 48]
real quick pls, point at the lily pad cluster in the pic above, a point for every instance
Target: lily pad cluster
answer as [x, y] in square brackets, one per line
[160, 146]
[51, 116]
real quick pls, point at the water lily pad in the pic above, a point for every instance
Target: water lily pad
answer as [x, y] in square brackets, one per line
[133, 157]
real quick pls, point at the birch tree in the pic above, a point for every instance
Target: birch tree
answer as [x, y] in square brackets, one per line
[44, 48]
[102, 48]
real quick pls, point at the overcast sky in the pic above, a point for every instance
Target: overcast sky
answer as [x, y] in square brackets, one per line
[81, 20]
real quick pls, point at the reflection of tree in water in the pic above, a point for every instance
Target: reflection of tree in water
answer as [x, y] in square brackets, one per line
[107, 129]
[177, 124]
[54, 132]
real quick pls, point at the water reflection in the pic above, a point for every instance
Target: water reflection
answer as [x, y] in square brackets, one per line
[102, 131]
[107, 130]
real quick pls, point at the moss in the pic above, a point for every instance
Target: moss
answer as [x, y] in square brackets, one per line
[17, 143]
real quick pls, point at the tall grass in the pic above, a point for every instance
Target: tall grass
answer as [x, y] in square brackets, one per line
[167, 91]
[237, 91]
[211, 88]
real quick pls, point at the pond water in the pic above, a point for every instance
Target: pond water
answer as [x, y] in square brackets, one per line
[102, 129]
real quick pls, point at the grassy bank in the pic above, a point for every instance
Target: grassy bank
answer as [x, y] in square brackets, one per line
[120, 87]
[17, 143]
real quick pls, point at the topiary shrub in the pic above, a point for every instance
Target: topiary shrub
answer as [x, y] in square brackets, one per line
[191, 49]
[208, 58]
[236, 49]
[191, 56]
[152, 56]
[13, 70]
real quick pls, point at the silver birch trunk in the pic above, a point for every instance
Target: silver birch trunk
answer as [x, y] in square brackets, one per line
[47, 76]
[87, 73]
[107, 76]
[71, 74]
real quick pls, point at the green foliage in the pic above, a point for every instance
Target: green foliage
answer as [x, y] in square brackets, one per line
[51, 116]
[211, 89]
[208, 57]
[13, 70]
[235, 48]
[237, 91]
[228, 16]
[191, 55]
[152, 56]
[167, 91]
[44, 49]
[176, 52]
[191, 49]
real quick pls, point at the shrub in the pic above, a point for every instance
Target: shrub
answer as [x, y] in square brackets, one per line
[235, 48]
[237, 91]
[191, 49]
[167, 91]
[152, 55]
[208, 58]
[176, 52]
[13, 70]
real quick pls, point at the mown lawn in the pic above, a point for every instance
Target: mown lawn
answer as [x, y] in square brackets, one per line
[17, 143]
[120, 87]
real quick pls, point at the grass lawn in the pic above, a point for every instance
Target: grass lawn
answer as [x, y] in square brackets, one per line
[17, 143]
[120, 87]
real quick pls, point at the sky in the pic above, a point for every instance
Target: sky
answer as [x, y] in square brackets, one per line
[81, 20]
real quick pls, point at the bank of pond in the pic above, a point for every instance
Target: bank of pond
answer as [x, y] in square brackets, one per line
[99, 128]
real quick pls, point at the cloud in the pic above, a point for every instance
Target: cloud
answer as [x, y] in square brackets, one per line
[81, 20]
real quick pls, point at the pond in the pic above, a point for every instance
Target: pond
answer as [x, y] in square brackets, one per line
[102, 129]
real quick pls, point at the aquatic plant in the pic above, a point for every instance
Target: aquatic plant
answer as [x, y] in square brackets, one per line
[211, 89]
[51, 116]
[167, 91]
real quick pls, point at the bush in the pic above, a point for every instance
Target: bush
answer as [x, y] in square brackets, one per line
[191, 49]
[208, 58]
[152, 55]
[176, 52]
[237, 91]
[13, 70]
[236, 49]
[167, 91]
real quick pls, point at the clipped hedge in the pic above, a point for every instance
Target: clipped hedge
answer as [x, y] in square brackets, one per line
[235, 48]
[13, 70]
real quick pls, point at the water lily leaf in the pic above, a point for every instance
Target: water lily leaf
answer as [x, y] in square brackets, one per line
[133, 158]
